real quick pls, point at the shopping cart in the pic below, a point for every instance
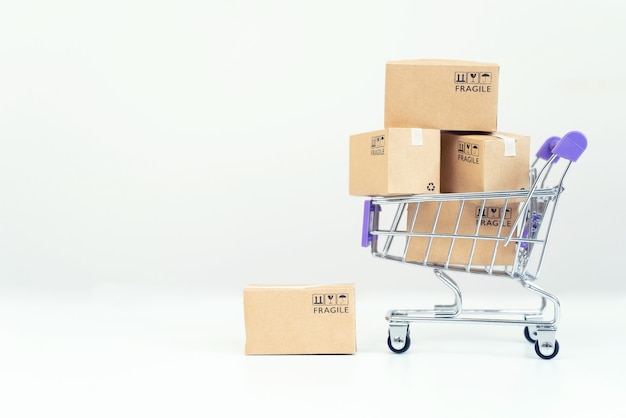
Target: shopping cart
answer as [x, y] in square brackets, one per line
[501, 233]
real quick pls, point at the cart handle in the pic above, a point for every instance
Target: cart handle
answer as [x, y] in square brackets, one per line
[545, 151]
[571, 146]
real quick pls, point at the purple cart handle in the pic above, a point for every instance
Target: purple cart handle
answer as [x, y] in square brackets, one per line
[366, 237]
[571, 146]
[545, 152]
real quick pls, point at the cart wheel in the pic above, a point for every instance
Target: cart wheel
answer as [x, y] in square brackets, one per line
[407, 344]
[549, 356]
[532, 338]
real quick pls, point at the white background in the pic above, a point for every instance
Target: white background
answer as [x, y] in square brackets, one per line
[156, 157]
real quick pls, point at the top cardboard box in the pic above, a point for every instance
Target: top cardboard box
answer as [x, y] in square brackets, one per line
[441, 94]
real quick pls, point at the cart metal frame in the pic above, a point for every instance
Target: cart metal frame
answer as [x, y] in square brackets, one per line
[529, 234]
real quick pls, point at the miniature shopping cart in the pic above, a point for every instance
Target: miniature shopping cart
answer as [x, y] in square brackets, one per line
[502, 233]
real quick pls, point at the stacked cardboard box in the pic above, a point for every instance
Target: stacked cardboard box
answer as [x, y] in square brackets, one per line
[441, 136]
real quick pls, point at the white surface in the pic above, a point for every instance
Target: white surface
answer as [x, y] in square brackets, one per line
[157, 157]
[131, 351]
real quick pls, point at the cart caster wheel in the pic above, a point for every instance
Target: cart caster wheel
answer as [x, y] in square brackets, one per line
[555, 351]
[530, 337]
[395, 348]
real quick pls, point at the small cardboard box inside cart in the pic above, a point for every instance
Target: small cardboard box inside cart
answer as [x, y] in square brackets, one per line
[395, 161]
[441, 94]
[300, 319]
[494, 219]
[473, 162]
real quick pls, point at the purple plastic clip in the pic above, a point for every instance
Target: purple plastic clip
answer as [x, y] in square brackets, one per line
[366, 237]
[531, 230]
[571, 146]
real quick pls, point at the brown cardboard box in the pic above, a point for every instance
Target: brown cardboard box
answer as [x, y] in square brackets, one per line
[441, 94]
[300, 319]
[490, 221]
[395, 161]
[482, 162]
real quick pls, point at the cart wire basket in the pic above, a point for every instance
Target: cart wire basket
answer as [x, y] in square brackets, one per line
[500, 233]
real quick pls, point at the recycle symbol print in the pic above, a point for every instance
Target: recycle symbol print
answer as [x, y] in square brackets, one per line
[431, 187]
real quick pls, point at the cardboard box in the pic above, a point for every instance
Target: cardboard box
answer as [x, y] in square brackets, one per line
[484, 162]
[441, 94]
[395, 161]
[492, 217]
[300, 319]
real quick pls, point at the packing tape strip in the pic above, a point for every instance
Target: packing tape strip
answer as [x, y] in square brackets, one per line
[509, 144]
[417, 136]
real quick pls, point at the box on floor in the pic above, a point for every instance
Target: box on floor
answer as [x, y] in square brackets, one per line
[300, 319]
